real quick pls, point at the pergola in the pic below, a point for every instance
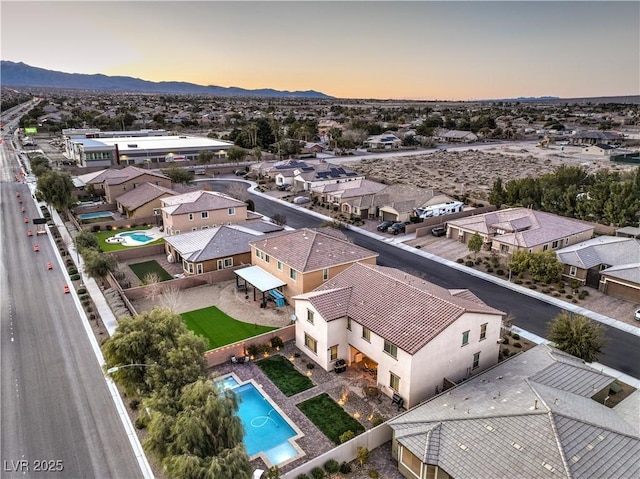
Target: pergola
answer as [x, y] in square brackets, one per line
[259, 279]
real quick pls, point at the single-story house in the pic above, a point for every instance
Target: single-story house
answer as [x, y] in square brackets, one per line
[457, 136]
[416, 336]
[386, 141]
[601, 149]
[506, 231]
[322, 174]
[541, 413]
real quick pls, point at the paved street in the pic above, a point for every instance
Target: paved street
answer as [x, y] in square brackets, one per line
[57, 415]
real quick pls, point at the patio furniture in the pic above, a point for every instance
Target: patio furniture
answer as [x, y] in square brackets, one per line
[234, 360]
[397, 399]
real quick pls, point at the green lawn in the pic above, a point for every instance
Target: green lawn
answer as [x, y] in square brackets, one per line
[101, 236]
[143, 269]
[330, 418]
[284, 375]
[220, 329]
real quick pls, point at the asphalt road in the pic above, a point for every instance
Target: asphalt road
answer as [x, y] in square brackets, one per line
[57, 417]
[621, 353]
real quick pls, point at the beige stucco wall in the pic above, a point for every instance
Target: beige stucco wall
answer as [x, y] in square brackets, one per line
[173, 223]
[111, 192]
[144, 210]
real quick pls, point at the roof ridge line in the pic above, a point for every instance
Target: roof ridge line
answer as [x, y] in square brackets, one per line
[606, 428]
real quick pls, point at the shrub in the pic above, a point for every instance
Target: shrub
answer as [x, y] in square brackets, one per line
[72, 271]
[545, 290]
[585, 292]
[527, 282]
[331, 466]
[505, 340]
[516, 336]
[533, 286]
[489, 269]
[582, 295]
[253, 350]
[556, 294]
[134, 403]
[561, 291]
[345, 468]
[468, 263]
[83, 296]
[374, 474]
[82, 291]
[302, 476]
[377, 421]
[574, 301]
[92, 316]
[569, 296]
[505, 352]
[296, 355]
[69, 262]
[85, 303]
[276, 342]
[459, 261]
[500, 272]
[142, 421]
[517, 345]
[310, 365]
[346, 436]
[88, 308]
[518, 281]
[95, 228]
[75, 277]
[478, 261]
[317, 473]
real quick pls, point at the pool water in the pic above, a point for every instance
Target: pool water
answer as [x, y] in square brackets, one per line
[99, 214]
[137, 236]
[266, 431]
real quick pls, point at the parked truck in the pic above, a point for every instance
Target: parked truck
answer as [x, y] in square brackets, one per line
[438, 210]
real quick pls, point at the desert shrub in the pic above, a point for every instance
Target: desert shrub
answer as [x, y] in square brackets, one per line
[527, 282]
[317, 473]
[134, 403]
[82, 291]
[546, 290]
[85, 303]
[505, 352]
[276, 342]
[515, 336]
[569, 296]
[142, 421]
[574, 301]
[500, 272]
[346, 436]
[582, 295]
[72, 270]
[69, 262]
[518, 281]
[374, 474]
[296, 355]
[556, 294]
[92, 316]
[310, 365]
[331, 466]
[75, 277]
[478, 261]
[585, 292]
[88, 308]
[83, 296]
[345, 468]
[533, 286]
[468, 263]
[253, 350]
[459, 261]
[505, 340]
[489, 269]
[517, 345]
[562, 291]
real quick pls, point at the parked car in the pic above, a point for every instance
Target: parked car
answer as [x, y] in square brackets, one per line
[384, 226]
[637, 315]
[439, 231]
[298, 200]
[397, 228]
[240, 172]
[283, 187]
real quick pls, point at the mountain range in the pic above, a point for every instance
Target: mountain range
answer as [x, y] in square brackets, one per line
[18, 74]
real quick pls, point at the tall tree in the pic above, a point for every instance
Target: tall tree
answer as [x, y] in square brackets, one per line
[475, 244]
[204, 157]
[179, 175]
[577, 335]
[56, 189]
[98, 265]
[236, 154]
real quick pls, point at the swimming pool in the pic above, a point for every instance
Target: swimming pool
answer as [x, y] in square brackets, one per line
[268, 433]
[139, 236]
[98, 214]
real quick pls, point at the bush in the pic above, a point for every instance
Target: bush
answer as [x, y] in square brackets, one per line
[276, 342]
[346, 436]
[72, 271]
[377, 421]
[296, 355]
[374, 474]
[331, 466]
[517, 345]
[95, 228]
[345, 468]
[134, 403]
[253, 350]
[518, 281]
[556, 294]
[83, 296]
[311, 365]
[585, 292]
[515, 336]
[500, 272]
[574, 301]
[92, 316]
[86, 303]
[142, 421]
[460, 261]
[582, 295]
[533, 286]
[562, 291]
[468, 263]
[478, 261]
[82, 291]
[505, 352]
[489, 269]
[317, 473]
[505, 340]
[75, 277]
[569, 296]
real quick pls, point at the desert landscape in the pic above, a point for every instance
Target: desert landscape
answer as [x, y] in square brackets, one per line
[472, 171]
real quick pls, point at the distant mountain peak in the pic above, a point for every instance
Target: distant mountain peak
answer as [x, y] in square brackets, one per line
[19, 74]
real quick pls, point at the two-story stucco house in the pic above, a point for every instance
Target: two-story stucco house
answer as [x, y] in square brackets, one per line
[119, 182]
[302, 260]
[143, 201]
[417, 337]
[201, 210]
[509, 230]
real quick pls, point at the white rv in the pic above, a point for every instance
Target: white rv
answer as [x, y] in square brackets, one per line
[439, 209]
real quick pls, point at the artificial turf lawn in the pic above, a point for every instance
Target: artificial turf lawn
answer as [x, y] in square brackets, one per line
[330, 418]
[282, 373]
[218, 328]
[143, 269]
[101, 236]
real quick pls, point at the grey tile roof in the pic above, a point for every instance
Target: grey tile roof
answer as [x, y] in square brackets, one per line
[212, 243]
[310, 250]
[197, 201]
[142, 195]
[517, 417]
[610, 250]
[627, 272]
[130, 172]
[418, 312]
[523, 227]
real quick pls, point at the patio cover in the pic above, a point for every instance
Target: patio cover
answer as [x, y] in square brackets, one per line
[259, 278]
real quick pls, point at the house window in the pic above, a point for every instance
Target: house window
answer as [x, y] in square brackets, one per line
[293, 274]
[465, 338]
[309, 315]
[411, 461]
[504, 248]
[554, 244]
[572, 271]
[325, 274]
[333, 353]
[156, 212]
[310, 343]
[545, 247]
[267, 258]
[476, 360]
[225, 263]
[231, 211]
[259, 254]
[390, 349]
[483, 331]
[190, 267]
[279, 265]
[190, 216]
[394, 382]
[366, 334]
[199, 268]
[204, 215]
[349, 324]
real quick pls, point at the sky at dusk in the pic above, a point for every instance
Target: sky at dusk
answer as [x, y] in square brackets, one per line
[360, 49]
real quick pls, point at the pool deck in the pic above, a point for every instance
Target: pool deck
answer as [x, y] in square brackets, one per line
[349, 384]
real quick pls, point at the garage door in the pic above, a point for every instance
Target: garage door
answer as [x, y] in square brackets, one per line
[622, 291]
[389, 216]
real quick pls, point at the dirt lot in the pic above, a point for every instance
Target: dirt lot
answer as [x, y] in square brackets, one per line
[473, 171]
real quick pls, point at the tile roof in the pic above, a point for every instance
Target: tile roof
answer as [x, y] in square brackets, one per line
[610, 250]
[522, 227]
[311, 250]
[627, 272]
[481, 423]
[142, 195]
[201, 200]
[327, 171]
[213, 243]
[130, 172]
[418, 312]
